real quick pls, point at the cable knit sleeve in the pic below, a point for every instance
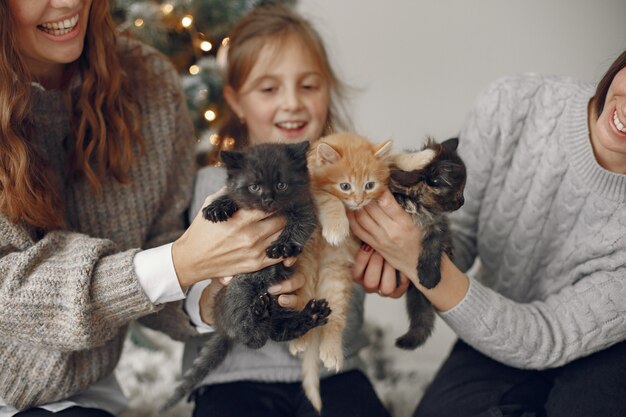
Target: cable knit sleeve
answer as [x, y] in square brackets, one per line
[547, 228]
[478, 141]
[577, 321]
[66, 291]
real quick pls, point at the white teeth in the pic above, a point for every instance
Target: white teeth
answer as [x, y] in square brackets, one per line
[291, 125]
[619, 125]
[61, 27]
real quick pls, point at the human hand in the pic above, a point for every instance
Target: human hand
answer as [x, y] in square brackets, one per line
[376, 275]
[236, 246]
[390, 231]
[284, 290]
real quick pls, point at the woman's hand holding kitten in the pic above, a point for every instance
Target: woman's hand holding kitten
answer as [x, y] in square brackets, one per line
[390, 231]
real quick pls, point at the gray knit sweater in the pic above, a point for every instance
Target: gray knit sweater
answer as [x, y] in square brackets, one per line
[66, 298]
[548, 224]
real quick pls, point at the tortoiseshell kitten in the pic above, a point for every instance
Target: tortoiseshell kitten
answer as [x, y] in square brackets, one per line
[428, 184]
[270, 177]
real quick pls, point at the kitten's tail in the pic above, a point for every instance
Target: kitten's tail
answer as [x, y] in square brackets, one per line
[311, 371]
[211, 355]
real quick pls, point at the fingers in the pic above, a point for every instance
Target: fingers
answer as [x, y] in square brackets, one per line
[290, 301]
[356, 227]
[360, 262]
[402, 287]
[286, 289]
[294, 283]
[373, 273]
[387, 280]
[388, 204]
[225, 280]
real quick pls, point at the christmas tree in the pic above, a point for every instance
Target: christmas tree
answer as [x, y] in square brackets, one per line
[192, 34]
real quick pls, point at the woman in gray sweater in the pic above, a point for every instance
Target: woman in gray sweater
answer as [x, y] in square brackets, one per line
[96, 172]
[542, 324]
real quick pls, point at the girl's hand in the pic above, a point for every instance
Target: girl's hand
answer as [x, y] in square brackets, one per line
[285, 291]
[227, 248]
[376, 275]
[390, 231]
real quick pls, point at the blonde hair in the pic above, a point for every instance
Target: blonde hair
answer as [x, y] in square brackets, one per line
[106, 129]
[273, 23]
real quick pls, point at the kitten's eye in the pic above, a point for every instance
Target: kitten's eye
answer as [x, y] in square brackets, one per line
[433, 182]
[281, 186]
[345, 186]
[254, 187]
[369, 185]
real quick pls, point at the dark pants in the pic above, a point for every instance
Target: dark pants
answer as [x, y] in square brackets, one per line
[469, 384]
[348, 394]
[68, 412]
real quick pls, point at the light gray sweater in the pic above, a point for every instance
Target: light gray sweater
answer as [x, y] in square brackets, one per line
[66, 298]
[548, 224]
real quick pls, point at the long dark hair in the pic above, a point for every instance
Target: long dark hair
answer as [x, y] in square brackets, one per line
[603, 86]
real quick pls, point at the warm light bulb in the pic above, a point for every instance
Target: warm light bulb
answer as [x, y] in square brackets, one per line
[167, 8]
[187, 21]
[194, 69]
[206, 46]
[214, 139]
[139, 22]
[210, 115]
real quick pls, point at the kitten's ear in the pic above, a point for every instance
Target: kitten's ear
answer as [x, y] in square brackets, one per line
[232, 159]
[414, 160]
[326, 154]
[450, 145]
[383, 149]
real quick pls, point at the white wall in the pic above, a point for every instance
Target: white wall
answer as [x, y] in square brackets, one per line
[418, 65]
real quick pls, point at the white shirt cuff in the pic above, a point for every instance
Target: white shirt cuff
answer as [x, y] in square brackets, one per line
[192, 306]
[157, 276]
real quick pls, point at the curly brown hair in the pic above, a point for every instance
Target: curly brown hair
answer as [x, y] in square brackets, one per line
[106, 129]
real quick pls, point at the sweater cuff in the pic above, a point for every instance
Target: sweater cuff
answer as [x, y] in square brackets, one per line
[157, 276]
[467, 317]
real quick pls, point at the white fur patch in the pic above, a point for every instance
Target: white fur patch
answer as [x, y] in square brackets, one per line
[414, 160]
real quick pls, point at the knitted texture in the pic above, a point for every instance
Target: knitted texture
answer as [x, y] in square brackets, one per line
[547, 223]
[67, 297]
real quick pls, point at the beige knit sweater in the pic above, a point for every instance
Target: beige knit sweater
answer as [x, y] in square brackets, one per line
[66, 298]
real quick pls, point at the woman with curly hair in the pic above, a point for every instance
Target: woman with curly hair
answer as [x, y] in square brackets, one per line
[96, 172]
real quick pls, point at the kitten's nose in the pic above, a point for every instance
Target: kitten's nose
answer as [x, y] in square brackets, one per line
[266, 201]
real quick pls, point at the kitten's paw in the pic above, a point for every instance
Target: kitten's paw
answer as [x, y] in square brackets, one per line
[331, 354]
[219, 211]
[429, 274]
[336, 233]
[317, 311]
[260, 306]
[410, 341]
[283, 250]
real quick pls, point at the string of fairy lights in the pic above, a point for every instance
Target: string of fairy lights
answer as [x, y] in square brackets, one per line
[194, 35]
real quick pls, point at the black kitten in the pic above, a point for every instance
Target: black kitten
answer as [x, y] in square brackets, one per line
[428, 193]
[272, 178]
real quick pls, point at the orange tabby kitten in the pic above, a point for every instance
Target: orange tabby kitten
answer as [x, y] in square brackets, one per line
[346, 171]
